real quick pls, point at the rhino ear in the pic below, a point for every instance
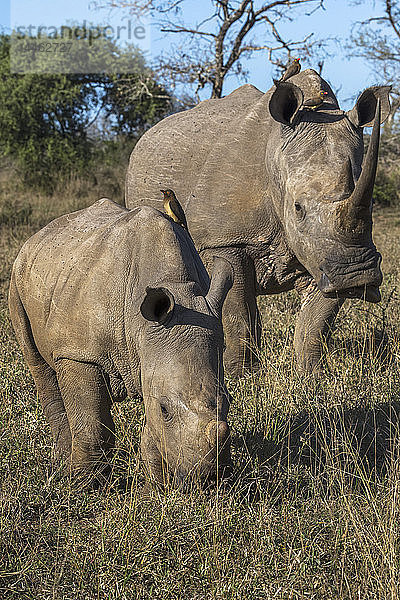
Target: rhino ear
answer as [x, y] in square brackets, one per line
[158, 304]
[363, 112]
[221, 283]
[286, 102]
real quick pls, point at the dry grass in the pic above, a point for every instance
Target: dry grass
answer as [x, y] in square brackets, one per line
[313, 510]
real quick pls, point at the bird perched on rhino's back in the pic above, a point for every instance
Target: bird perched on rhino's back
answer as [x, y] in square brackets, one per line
[292, 69]
[173, 208]
[316, 101]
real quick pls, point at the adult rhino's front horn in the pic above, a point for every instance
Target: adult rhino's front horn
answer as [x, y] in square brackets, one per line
[355, 213]
[362, 194]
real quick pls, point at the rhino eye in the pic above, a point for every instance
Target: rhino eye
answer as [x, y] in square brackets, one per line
[300, 212]
[165, 410]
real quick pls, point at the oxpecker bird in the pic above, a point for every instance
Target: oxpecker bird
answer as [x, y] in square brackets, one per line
[173, 208]
[293, 69]
[315, 101]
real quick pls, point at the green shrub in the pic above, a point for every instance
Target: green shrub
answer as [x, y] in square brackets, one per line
[51, 125]
[15, 213]
[387, 188]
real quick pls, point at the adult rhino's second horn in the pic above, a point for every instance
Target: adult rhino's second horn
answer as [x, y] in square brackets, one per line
[362, 194]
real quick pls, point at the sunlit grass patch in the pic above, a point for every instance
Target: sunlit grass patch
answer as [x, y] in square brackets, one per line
[311, 510]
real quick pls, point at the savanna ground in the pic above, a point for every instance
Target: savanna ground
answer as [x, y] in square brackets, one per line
[312, 510]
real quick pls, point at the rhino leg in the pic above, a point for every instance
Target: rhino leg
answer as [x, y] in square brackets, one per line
[43, 375]
[87, 401]
[240, 316]
[314, 325]
[53, 407]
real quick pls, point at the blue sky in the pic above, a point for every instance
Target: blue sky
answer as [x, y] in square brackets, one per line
[347, 76]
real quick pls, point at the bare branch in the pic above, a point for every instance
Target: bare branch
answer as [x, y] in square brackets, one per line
[182, 29]
[221, 39]
[223, 4]
[389, 11]
[377, 39]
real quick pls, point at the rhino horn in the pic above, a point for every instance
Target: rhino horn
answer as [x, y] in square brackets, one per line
[221, 283]
[362, 194]
[217, 432]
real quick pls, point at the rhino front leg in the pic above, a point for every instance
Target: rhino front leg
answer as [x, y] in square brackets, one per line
[314, 325]
[87, 401]
[240, 316]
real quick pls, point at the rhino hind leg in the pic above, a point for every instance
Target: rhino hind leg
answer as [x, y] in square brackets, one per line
[240, 316]
[43, 375]
[87, 399]
[53, 407]
[315, 323]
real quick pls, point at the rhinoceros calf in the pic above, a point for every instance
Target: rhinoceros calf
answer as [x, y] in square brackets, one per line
[108, 302]
[279, 191]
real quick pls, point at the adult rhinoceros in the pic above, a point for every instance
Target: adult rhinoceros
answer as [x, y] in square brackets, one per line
[278, 190]
[108, 302]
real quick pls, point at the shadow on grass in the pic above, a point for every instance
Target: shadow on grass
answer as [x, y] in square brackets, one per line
[350, 447]
[373, 348]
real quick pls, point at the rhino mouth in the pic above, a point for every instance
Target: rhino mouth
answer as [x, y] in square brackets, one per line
[369, 293]
[205, 478]
[357, 275]
[208, 470]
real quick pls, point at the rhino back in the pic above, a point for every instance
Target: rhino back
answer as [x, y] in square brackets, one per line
[207, 156]
[80, 276]
[214, 157]
[180, 144]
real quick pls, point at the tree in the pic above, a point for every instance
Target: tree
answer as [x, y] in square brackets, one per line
[47, 120]
[377, 39]
[216, 48]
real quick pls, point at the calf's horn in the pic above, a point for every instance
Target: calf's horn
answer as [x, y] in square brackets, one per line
[217, 432]
[221, 283]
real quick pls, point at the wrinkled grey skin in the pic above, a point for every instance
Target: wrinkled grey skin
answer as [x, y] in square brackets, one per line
[271, 187]
[107, 303]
